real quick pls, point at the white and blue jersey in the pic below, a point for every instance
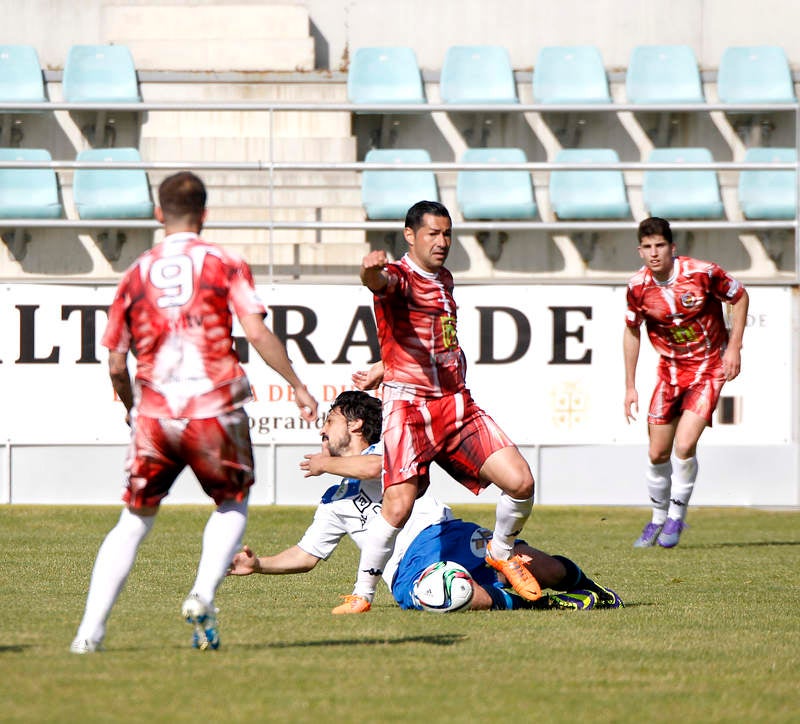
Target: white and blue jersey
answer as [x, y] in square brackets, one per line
[450, 540]
[347, 509]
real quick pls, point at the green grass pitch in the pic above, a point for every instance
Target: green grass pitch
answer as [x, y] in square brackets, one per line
[710, 632]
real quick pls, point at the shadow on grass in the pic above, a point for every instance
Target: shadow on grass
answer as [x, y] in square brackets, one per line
[434, 640]
[742, 544]
[16, 649]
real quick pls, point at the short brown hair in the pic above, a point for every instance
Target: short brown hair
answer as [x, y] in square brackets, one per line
[182, 194]
[655, 226]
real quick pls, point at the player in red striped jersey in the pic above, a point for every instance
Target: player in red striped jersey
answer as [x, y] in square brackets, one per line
[429, 414]
[680, 301]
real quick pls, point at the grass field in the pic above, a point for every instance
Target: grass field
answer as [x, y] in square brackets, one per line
[710, 632]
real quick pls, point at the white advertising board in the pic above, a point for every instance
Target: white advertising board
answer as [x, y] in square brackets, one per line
[545, 361]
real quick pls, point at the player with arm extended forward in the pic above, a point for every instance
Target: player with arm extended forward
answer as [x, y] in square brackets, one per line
[429, 414]
[174, 307]
[351, 448]
[680, 301]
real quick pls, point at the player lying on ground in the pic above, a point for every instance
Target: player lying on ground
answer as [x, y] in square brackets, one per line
[351, 448]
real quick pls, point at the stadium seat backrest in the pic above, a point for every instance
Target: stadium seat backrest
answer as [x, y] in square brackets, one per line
[768, 194]
[682, 194]
[570, 74]
[477, 74]
[495, 194]
[389, 194]
[100, 74]
[28, 192]
[755, 74]
[384, 75]
[21, 78]
[663, 74]
[588, 194]
[102, 193]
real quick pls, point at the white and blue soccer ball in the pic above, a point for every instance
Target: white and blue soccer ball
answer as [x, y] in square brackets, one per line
[443, 587]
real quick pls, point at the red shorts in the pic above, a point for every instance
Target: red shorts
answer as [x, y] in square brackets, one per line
[451, 431]
[685, 388]
[217, 449]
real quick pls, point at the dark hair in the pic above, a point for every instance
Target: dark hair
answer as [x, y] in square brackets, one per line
[182, 195]
[418, 210]
[655, 226]
[357, 405]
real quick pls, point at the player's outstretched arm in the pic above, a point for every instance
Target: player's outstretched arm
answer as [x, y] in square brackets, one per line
[732, 358]
[274, 354]
[291, 560]
[369, 379]
[631, 342]
[360, 467]
[373, 275]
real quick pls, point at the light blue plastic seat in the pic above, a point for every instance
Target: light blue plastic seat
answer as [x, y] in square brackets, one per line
[682, 194]
[477, 74]
[768, 194]
[570, 74]
[101, 193]
[389, 194]
[663, 74]
[28, 193]
[384, 75]
[495, 194]
[755, 74]
[21, 78]
[100, 74]
[588, 194]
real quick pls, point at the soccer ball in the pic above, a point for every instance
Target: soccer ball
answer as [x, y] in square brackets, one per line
[443, 587]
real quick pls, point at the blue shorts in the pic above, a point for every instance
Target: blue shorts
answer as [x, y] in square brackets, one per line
[451, 540]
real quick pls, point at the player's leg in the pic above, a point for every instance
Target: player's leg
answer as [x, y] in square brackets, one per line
[381, 534]
[220, 454]
[151, 472]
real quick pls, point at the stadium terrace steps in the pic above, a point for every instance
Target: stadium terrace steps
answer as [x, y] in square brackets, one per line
[196, 37]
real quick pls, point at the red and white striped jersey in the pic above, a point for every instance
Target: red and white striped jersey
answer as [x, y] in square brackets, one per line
[416, 317]
[683, 315]
[174, 309]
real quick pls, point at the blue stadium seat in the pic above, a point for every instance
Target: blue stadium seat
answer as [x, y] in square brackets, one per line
[663, 74]
[28, 193]
[588, 194]
[768, 194]
[389, 194]
[100, 74]
[101, 193]
[20, 75]
[384, 75]
[495, 194]
[755, 74]
[682, 194]
[570, 74]
[477, 74]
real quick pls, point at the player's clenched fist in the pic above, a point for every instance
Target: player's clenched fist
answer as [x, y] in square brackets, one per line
[372, 275]
[374, 260]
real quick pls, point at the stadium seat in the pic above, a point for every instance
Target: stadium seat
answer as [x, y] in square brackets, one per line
[682, 194]
[768, 194]
[101, 193]
[21, 81]
[477, 74]
[100, 74]
[588, 194]
[570, 74]
[495, 194]
[389, 194]
[384, 75]
[30, 193]
[663, 74]
[755, 74]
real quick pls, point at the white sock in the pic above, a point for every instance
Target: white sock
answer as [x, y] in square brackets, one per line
[510, 517]
[114, 562]
[221, 539]
[683, 477]
[377, 549]
[659, 483]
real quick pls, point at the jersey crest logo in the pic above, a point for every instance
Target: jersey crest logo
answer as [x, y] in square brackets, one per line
[448, 323]
[689, 300]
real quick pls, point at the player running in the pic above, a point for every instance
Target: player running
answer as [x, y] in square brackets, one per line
[680, 301]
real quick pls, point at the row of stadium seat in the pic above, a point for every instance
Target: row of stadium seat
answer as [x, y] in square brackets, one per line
[571, 74]
[32, 193]
[582, 194]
